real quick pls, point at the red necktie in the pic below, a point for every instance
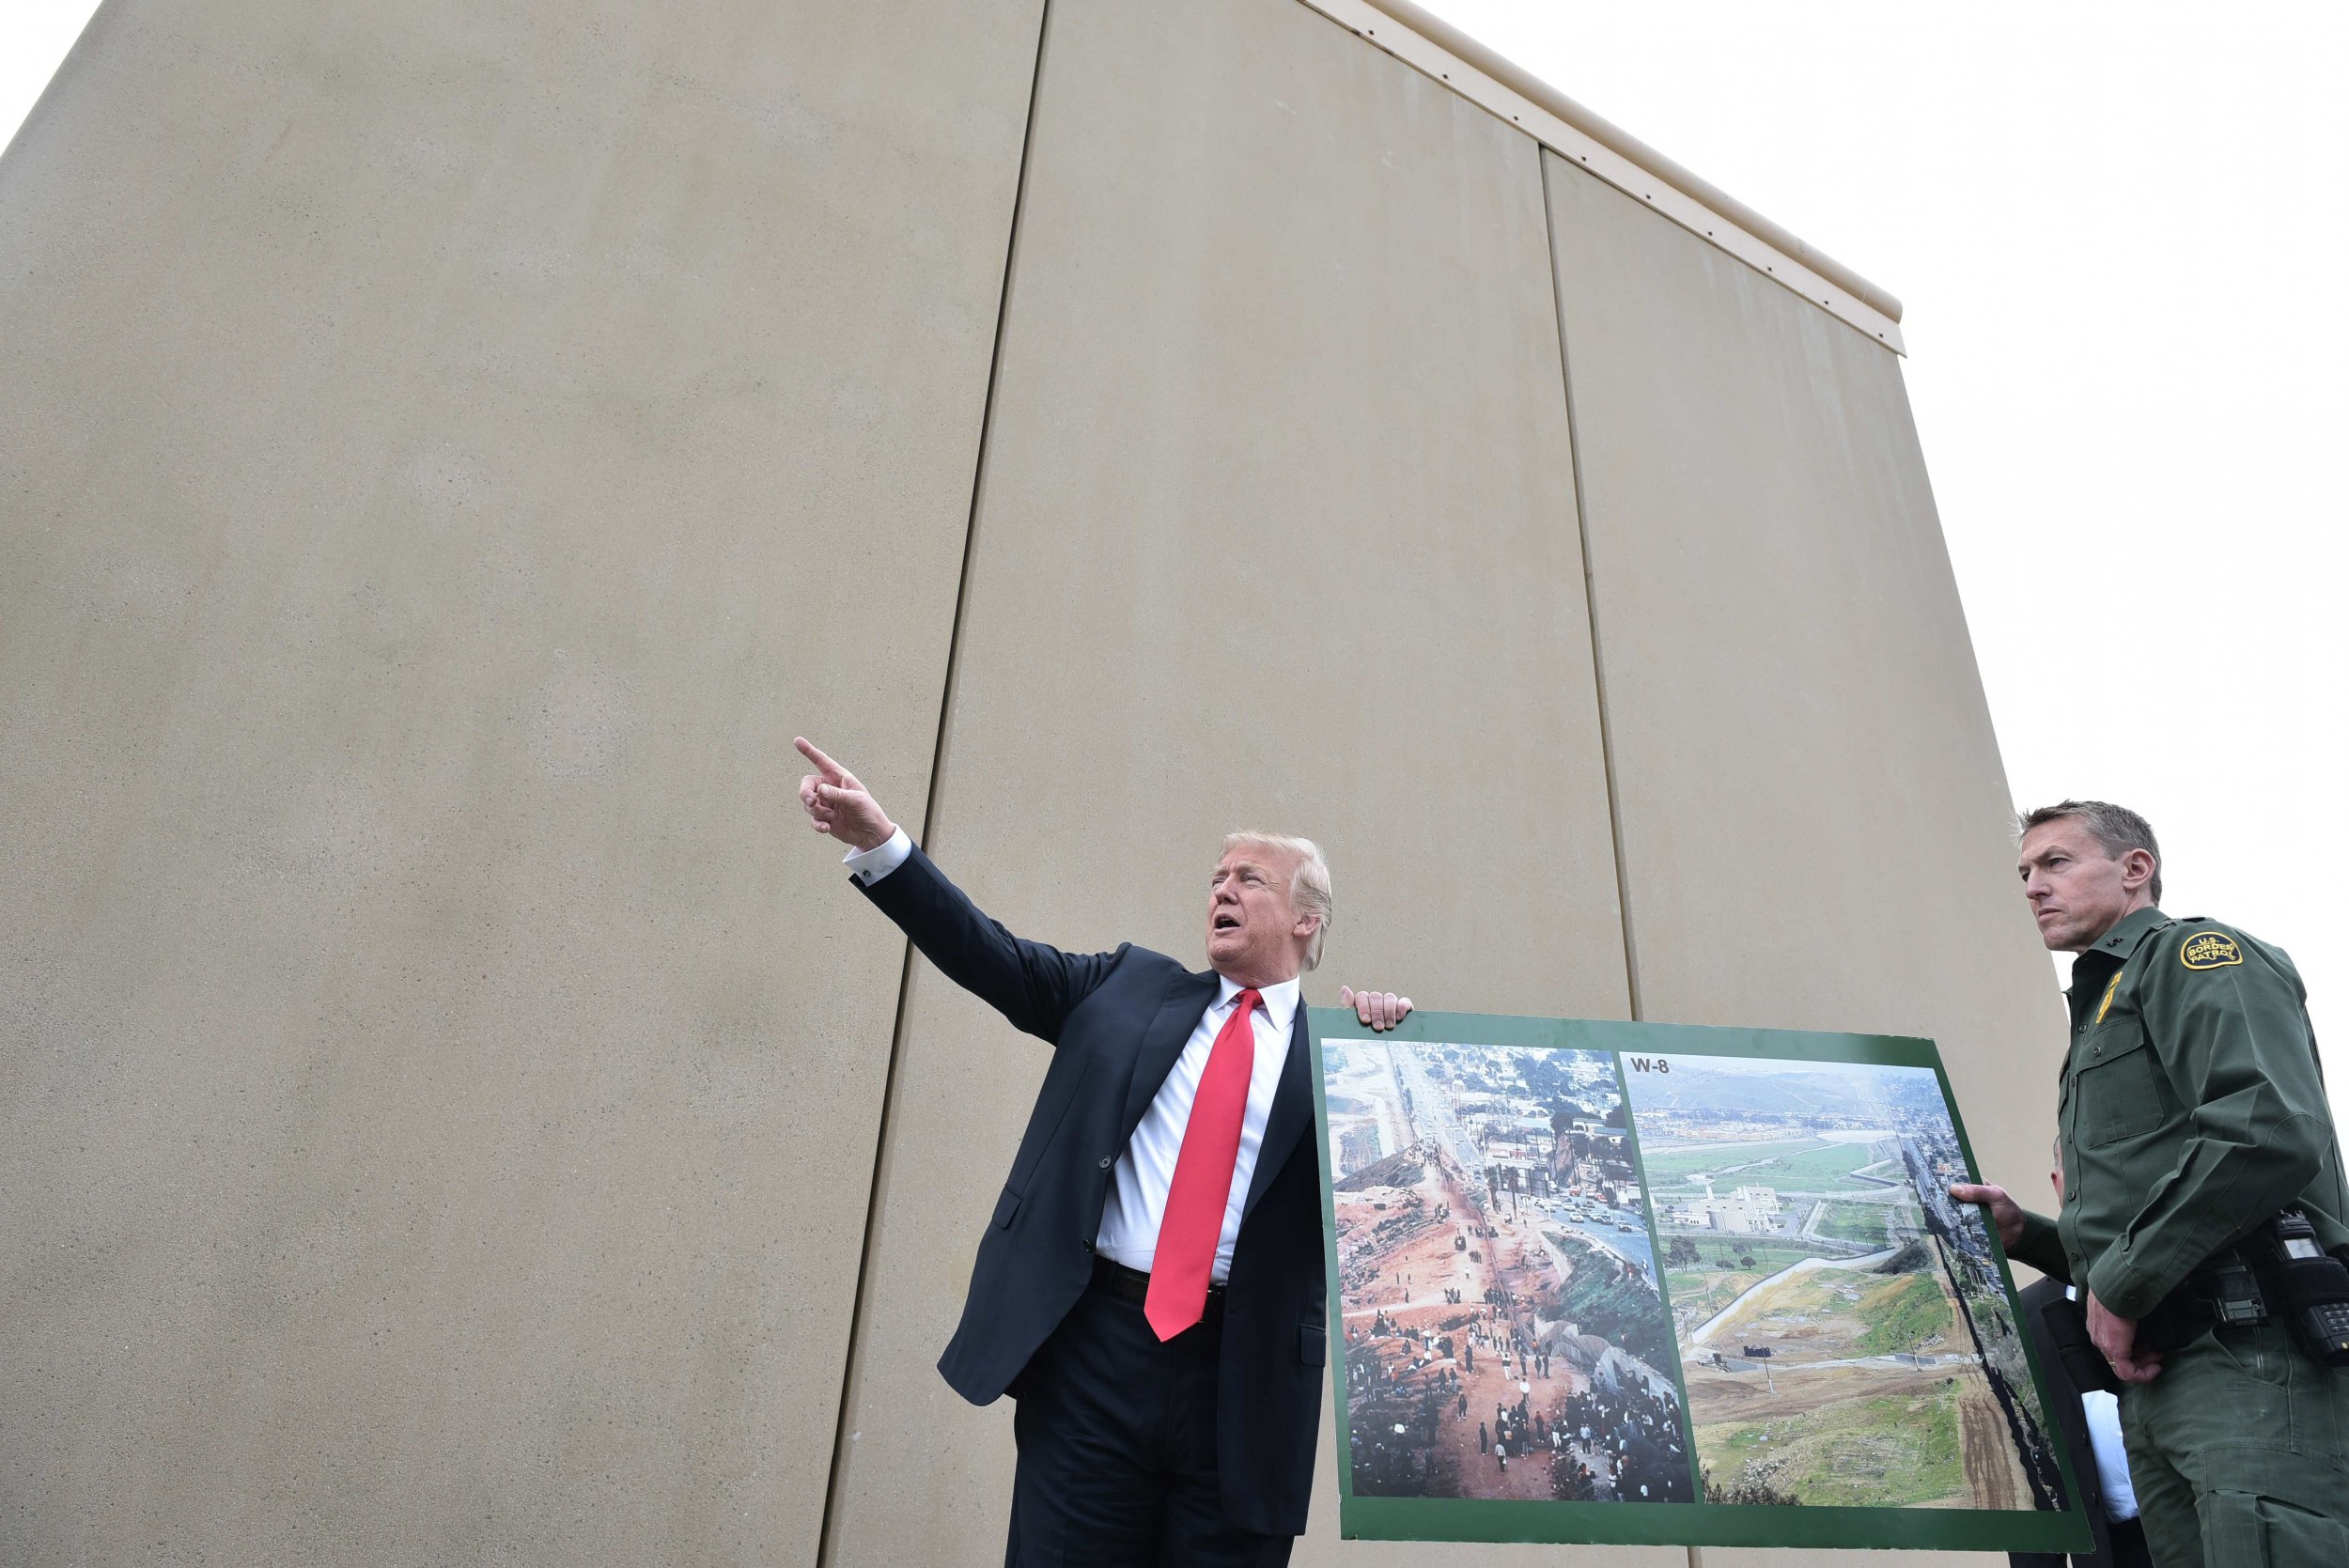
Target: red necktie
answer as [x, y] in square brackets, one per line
[1202, 1187]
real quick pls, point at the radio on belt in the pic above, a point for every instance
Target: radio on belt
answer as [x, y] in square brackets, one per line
[2309, 1287]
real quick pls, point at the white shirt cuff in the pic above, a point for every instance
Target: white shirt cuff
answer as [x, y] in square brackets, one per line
[870, 865]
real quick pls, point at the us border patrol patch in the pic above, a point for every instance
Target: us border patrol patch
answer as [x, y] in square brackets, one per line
[2209, 951]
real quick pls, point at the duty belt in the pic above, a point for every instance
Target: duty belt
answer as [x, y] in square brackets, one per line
[2223, 1292]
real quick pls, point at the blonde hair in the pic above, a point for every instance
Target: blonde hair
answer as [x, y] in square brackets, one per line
[1309, 886]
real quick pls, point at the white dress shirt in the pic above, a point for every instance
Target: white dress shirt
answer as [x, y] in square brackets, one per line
[870, 865]
[1139, 1182]
[2104, 1436]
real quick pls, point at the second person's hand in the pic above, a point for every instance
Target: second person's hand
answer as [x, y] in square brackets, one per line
[2005, 1212]
[2116, 1336]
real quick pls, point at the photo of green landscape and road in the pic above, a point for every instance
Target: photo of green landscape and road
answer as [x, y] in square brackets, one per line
[1842, 1327]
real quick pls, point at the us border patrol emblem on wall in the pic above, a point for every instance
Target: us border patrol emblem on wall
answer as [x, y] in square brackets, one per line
[2210, 951]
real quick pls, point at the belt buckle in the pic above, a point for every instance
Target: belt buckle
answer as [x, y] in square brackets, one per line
[1132, 1285]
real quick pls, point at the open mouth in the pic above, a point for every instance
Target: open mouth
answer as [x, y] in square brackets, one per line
[1227, 923]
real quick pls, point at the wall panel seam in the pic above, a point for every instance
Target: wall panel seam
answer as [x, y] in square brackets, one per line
[824, 1543]
[1589, 588]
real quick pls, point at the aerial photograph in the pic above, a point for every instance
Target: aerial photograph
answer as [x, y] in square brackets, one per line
[1504, 1335]
[1841, 1327]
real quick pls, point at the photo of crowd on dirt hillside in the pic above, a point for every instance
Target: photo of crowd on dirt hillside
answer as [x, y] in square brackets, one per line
[1504, 1333]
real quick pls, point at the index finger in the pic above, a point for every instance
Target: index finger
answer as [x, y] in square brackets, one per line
[808, 749]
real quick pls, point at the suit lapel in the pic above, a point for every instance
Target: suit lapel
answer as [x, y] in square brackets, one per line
[1292, 1108]
[1187, 998]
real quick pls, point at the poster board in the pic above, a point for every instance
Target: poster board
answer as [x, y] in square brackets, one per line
[1660, 1285]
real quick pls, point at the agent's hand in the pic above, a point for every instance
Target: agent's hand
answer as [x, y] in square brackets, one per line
[1380, 1010]
[838, 805]
[2005, 1212]
[2116, 1336]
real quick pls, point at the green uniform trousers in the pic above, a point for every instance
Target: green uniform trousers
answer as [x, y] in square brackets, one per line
[2240, 1453]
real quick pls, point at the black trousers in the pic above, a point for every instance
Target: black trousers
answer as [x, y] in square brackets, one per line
[1116, 1433]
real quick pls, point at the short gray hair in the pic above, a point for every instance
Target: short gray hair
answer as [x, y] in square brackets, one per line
[2116, 829]
[1309, 887]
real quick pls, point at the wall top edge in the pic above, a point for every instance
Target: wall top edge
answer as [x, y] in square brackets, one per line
[1435, 48]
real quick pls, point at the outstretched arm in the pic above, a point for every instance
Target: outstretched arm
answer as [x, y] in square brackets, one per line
[1031, 984]
[2028, 1238]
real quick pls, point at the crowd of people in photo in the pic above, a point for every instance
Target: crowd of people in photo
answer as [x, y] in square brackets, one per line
[1478, 1376]
[1611, 1439]
[1636, 1429]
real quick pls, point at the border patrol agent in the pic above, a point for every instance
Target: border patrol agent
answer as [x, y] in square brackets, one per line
[2191, 1113]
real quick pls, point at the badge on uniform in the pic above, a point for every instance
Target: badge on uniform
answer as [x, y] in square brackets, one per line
[2210, 951]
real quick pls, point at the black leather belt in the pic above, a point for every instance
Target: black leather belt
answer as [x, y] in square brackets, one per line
[1132, 1285]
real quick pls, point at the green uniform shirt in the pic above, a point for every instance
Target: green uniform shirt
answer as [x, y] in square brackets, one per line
[2190, 1109]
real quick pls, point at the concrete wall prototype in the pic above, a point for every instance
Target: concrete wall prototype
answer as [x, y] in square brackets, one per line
[446, 453]
[1276, 527]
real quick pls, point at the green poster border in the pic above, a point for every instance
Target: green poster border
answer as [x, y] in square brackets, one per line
[1697, 1523]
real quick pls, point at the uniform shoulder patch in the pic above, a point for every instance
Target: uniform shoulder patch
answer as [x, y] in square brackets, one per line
[2209, 950]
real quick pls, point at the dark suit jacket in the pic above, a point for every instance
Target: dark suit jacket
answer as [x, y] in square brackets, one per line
[2049, 1338]
[1118, 1020]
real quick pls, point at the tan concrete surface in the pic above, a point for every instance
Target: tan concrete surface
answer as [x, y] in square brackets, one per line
[1276, 527]
[1816, 823]
[444, 454]
[446, 451]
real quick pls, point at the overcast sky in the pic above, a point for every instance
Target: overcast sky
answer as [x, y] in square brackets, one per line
[2117, 230]
[2117, 233]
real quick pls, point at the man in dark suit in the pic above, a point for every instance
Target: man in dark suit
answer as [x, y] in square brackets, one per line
[2059, 1331]
[1150, 1286]
[2082, 1385]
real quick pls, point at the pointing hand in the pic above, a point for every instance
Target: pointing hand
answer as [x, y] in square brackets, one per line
[839, 805]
